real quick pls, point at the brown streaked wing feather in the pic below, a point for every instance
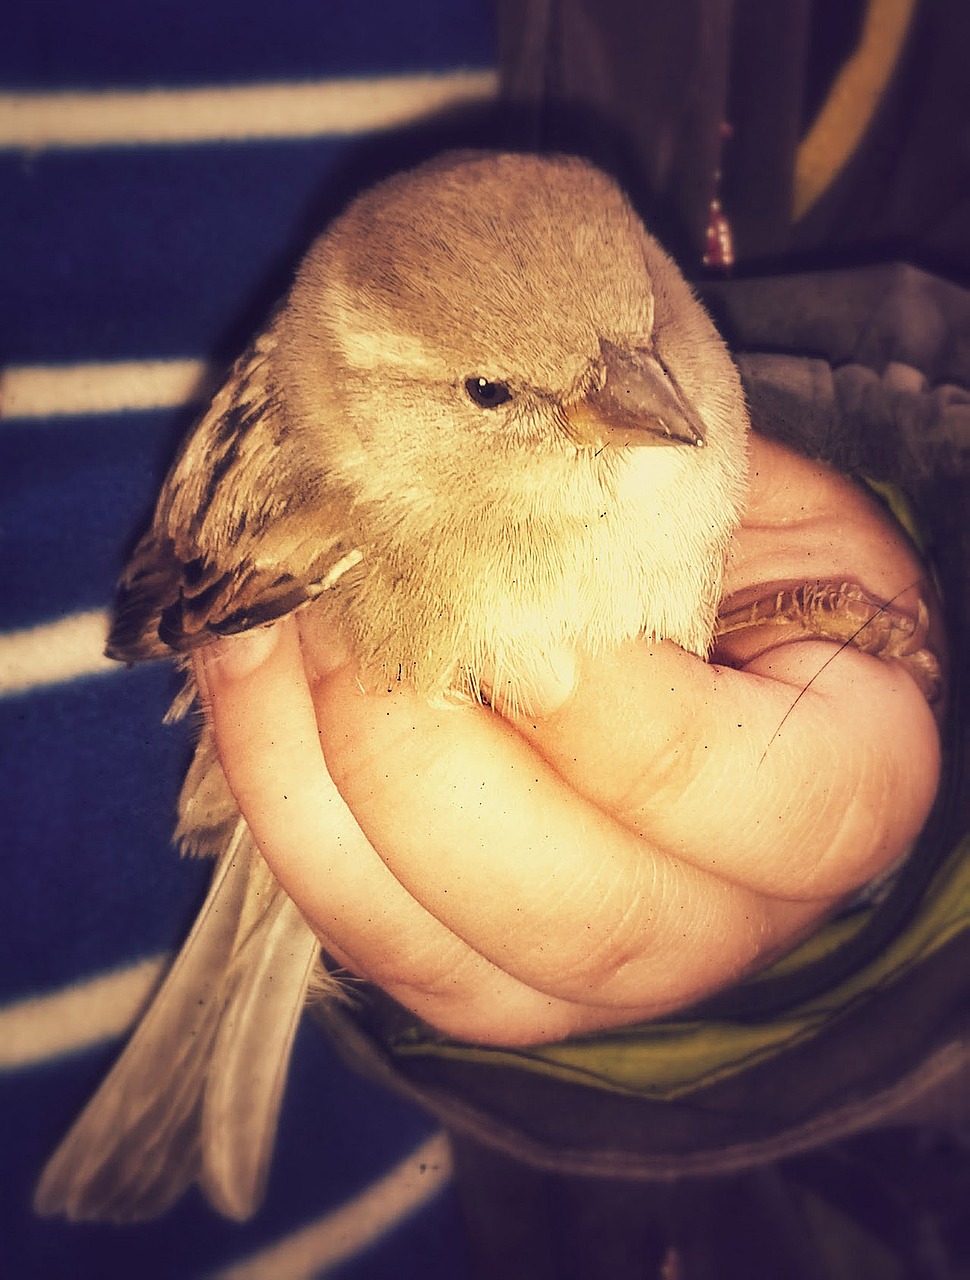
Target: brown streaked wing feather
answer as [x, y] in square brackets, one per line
[245, 530]
[149, 586]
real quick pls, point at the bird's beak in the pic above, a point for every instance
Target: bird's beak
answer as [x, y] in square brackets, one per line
[638, 403]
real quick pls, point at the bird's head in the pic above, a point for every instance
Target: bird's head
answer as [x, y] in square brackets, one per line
[488, 306]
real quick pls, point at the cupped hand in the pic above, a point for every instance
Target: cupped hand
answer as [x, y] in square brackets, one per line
[664, 827]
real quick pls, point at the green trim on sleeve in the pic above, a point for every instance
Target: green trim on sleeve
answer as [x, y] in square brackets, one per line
[668, 1059]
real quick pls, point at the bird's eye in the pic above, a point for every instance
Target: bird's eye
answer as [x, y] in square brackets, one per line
[487, 395]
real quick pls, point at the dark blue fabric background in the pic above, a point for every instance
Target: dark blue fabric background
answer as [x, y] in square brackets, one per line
[146, 252]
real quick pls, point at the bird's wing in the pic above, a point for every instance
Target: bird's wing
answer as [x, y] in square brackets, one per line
[245, 530]
[196, 1093]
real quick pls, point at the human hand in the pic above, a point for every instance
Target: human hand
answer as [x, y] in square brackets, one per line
[628, 852]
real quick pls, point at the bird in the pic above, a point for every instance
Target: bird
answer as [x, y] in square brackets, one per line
[489, 420]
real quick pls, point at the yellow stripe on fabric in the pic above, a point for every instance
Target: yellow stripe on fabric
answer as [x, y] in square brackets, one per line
[901, 509]
[847, 112]
[669, 1059]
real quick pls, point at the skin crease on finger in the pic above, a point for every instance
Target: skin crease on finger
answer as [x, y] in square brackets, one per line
[575, 870]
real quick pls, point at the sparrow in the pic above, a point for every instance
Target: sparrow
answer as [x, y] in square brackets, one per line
[489, 421]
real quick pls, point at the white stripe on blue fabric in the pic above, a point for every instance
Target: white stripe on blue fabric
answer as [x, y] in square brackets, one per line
[55, 652]
[113, 386]
[78, 1017]
[41, 121]
[316, 1249]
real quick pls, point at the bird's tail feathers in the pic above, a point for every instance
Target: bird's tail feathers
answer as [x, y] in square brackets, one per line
[267, 984]
[195, 1095]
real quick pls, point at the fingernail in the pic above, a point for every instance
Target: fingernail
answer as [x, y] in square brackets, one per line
[324, 648]
[540, 693]
[559, 680]
[235, 657]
